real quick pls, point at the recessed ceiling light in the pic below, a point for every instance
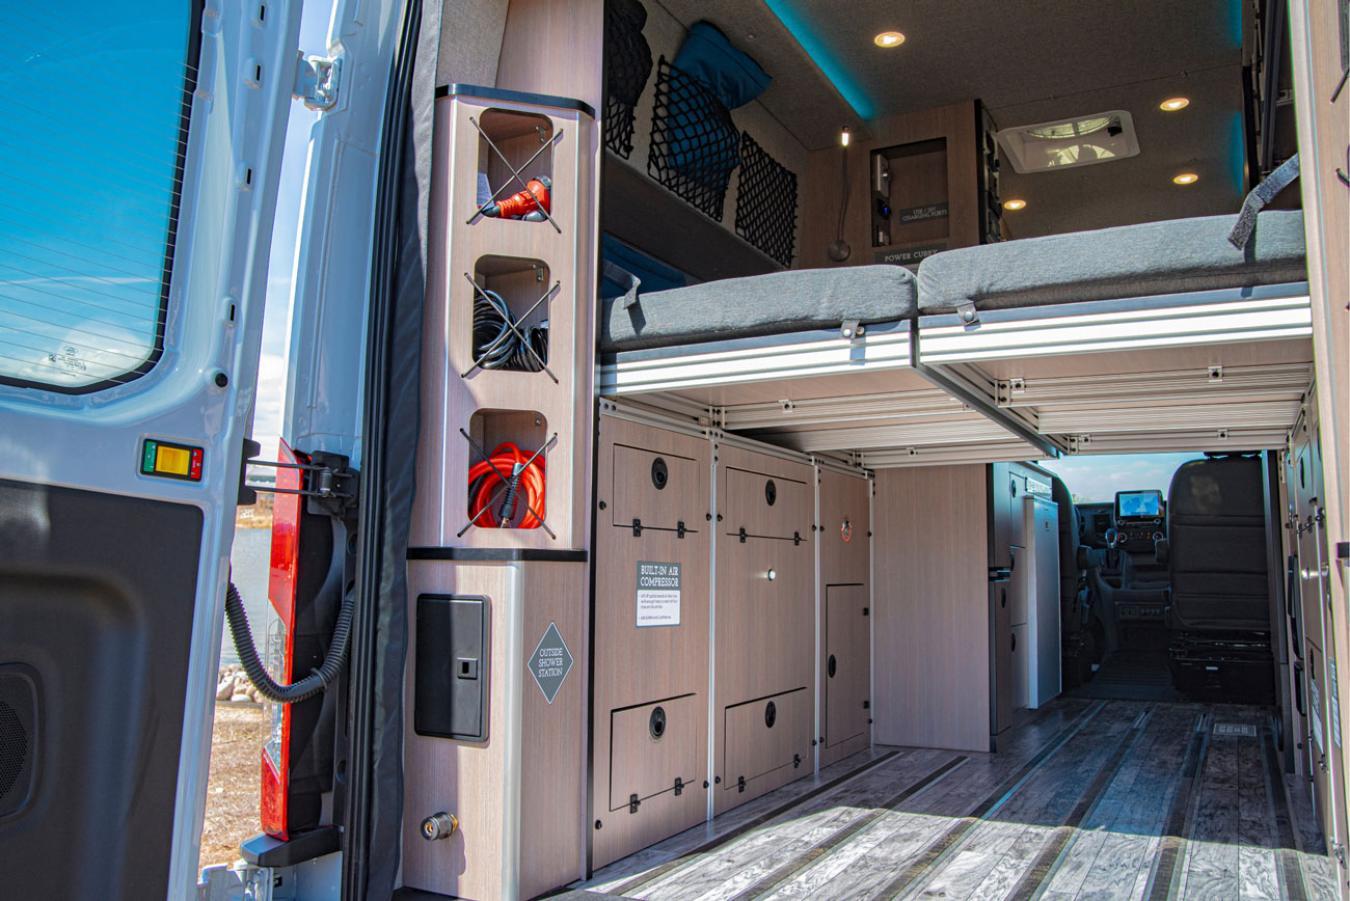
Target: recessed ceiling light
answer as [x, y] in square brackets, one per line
[1015, 204]
[889, 39]
[1185, 178]
[1172, 104]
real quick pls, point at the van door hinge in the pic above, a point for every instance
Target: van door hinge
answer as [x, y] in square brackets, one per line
[796, 761]
[679, 529]
[679, 786]
[634, 803]
[327, 480]
[317, 79]
[796, 537]
[637, 528]
[743, 535]
[740, 783]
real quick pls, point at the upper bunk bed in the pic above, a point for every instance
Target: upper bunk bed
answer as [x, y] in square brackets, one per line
[1159, 336]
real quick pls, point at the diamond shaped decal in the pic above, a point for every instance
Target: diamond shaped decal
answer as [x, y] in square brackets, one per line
[551, 662]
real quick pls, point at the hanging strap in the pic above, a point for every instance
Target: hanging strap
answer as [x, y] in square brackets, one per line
[622, 276]
[1262, 194]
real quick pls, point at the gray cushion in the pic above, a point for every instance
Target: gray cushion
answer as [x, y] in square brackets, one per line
[1170, 257]
[777, 303]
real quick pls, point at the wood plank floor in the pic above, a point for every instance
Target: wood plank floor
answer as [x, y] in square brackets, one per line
[1090, 799]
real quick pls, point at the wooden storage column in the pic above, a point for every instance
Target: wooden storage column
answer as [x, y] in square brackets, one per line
[513, 773]
[649, 745]
[844, 593]
[931, 617]
[522, 261]
[764, 624]
[1012, 553]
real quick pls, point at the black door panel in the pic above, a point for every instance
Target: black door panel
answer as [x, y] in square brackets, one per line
[96, 601]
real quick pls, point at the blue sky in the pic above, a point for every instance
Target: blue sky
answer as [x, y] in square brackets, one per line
[85, 211]
[1099, 477]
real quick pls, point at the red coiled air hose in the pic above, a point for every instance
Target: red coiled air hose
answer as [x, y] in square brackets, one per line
[524, 479]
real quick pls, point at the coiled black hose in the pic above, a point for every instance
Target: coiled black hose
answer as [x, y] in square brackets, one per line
[317, 681]
[496, 344]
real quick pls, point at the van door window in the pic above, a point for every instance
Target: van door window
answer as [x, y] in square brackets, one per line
[93, 150]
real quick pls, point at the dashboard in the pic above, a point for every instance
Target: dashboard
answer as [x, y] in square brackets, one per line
[1136, 533]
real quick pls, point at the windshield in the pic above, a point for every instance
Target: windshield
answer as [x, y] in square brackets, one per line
[1096, 479]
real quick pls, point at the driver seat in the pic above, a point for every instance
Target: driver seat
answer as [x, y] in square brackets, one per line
[1219, 616]
[1078, 645]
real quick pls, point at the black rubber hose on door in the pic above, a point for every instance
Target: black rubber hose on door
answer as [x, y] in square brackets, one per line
[317, 681]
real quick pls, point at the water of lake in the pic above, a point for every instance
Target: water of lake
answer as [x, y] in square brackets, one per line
[249, 558]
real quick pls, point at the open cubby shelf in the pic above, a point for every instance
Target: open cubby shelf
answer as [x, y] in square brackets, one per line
[515, 339]
[508, 452]
[514, 149]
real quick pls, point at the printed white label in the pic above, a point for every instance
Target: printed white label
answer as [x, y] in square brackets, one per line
[658, 594]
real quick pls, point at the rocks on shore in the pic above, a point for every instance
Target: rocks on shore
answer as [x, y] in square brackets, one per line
[234, 686]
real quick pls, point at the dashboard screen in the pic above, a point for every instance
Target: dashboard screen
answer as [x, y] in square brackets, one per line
[1138, 504]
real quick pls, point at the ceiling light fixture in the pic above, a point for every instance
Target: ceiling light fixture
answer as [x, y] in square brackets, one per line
[889, 39]
[1173, 104]
[1185, 178]
[1014, 204]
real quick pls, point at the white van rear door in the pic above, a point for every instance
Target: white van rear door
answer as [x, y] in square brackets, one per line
[142, 150]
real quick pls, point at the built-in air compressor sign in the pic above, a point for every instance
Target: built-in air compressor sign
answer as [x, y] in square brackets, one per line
[658, 594]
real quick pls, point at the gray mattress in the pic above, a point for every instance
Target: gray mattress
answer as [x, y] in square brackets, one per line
[1169, 257]
[777, 303]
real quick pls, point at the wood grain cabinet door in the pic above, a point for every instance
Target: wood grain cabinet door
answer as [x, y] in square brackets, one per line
[847, 663]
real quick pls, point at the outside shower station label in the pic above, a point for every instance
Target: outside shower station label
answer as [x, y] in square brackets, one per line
[658, 594]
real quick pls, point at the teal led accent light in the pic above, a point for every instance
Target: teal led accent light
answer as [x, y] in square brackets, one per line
[833, 69]
[1234, 22]
[1237, 150]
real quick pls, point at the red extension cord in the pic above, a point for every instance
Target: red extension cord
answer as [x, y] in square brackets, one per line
[485, 477]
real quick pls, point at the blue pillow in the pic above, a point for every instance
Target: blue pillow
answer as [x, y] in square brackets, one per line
[707, 55]
[654, 274]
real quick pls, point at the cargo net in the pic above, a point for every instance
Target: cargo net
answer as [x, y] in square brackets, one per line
[628, 65]
[766, 202]
[695, 145]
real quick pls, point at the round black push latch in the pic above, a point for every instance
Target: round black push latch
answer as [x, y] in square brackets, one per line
[770, 715]
[657, 724]
[660, 474]
[770, 492]
[830, 667]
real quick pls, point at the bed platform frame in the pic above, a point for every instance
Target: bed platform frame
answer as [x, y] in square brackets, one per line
[1188, 371]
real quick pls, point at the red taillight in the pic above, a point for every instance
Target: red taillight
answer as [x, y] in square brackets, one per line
[280, 652]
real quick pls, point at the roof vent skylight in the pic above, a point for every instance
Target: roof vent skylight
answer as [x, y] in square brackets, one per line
[1065, 143]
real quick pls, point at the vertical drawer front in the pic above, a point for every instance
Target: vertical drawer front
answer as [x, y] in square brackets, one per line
[766, 506]
[653, 745]
[1019, 584]
[659, 490]
[847, 662]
